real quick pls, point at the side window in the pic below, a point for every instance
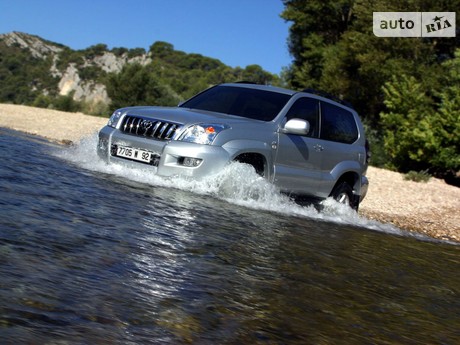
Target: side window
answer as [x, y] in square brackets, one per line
[337, 124]
[306, 109]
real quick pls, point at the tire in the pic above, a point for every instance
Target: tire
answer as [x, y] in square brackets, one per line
[343, 194]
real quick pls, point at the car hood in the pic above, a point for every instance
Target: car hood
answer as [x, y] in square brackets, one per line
[185, 116]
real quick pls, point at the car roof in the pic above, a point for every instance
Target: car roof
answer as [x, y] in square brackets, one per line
[262, 87]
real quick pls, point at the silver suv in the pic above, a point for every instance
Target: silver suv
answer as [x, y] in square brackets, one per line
[308, 145]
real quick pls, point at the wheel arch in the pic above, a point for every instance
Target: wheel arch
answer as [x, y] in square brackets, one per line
[347, 171]
[256, 159]
[352, 178]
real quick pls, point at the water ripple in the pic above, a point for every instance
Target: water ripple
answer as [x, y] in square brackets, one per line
[97, 254]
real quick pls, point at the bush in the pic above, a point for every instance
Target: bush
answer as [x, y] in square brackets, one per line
[379, 157]
[417, 176]
[98, 108]
[136, 85]
[42, 101]
[420, 123]
[66, 103]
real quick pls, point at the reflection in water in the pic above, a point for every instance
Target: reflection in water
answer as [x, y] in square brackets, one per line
[253, 277]
[92, 257]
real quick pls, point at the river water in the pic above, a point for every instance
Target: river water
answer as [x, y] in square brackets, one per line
[96, 254]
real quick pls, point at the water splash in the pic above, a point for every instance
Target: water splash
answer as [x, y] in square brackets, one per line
[237, 184]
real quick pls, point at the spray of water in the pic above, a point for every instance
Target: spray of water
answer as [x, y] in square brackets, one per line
[237, 184]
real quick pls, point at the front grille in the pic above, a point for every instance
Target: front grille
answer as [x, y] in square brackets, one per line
[149, 128]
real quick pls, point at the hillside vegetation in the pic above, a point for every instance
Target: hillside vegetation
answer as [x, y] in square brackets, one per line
[34, 71]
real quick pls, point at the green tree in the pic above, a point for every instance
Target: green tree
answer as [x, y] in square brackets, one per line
[256, 74]
[42, 101]
[422, 125]
[134, 52]
[95, 50]
[446, 122]
[66, 103]
[408, 136]
[161, 49]
[359, 65]
[134, 85]
[315, 25]
[129, 87]
[334, 49]
[119, 51]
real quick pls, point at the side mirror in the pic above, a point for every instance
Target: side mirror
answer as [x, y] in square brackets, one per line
[296, 126]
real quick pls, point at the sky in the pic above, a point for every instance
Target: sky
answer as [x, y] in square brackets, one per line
[237, 32]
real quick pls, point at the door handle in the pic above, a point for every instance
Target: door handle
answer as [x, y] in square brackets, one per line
[318, 148]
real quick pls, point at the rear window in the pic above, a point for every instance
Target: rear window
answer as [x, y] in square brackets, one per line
[240, 101]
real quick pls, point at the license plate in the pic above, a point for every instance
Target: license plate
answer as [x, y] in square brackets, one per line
[134, 154]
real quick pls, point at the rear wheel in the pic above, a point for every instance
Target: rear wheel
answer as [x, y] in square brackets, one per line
[343, 194]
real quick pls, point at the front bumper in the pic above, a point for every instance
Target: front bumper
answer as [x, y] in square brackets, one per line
[170, 154]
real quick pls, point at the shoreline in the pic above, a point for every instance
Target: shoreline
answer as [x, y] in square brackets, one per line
[430, 208]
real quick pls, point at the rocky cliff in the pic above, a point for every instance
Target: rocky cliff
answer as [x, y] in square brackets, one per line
[67, 73]
[38, 47]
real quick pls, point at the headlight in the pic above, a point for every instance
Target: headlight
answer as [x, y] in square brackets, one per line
[113, 121]
[202, 133]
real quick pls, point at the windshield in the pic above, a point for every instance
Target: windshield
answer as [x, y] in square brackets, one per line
[241, 101]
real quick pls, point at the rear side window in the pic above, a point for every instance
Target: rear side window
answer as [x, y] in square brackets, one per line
[337, 124]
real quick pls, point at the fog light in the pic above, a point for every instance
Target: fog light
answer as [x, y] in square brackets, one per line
[191, 162]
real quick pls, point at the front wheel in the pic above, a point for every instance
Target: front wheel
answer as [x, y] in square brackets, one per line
[343, 194]
[253, 159]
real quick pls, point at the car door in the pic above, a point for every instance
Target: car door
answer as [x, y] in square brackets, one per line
[297, 167]
[338, 132]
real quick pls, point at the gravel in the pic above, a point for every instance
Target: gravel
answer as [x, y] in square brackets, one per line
[431, 208]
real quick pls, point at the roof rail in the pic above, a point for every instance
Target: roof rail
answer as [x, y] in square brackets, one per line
[327, 95]
[245, 82]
